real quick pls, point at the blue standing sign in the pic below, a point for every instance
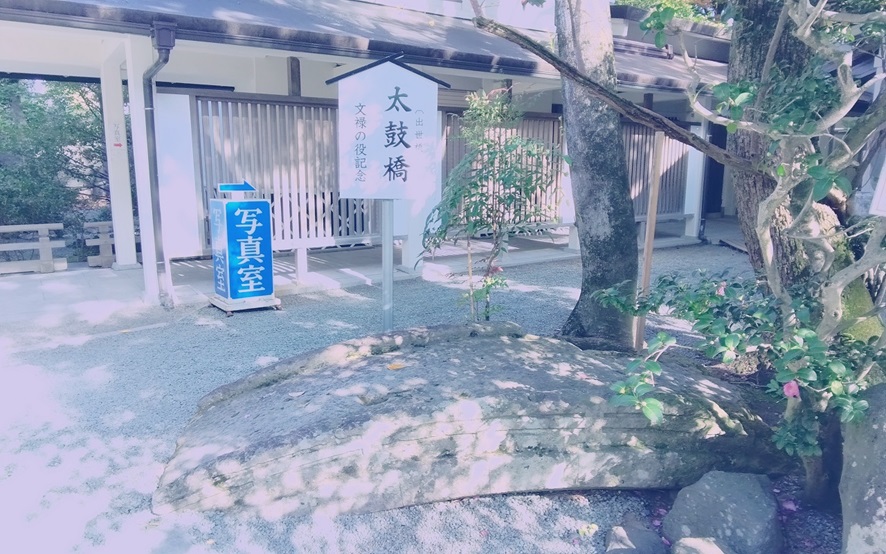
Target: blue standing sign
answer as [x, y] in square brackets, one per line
[242, 253]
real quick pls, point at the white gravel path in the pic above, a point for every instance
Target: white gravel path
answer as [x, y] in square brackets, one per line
[90, 412]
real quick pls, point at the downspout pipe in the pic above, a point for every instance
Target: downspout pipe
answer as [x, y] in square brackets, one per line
[163, 39]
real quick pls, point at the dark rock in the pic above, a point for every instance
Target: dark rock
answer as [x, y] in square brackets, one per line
[737, 510]
[633, 540]
[863, 483]
[442, 413]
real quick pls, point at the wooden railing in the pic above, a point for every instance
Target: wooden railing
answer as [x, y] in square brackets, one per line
[45, 262]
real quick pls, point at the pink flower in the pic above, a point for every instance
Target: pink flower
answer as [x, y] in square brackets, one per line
[721, 290]
[791, 389]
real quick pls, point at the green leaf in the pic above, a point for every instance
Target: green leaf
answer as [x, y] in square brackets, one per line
[843, 183]
[721, 91]
[780, 171]
[807, 374]
[728, 356]
[731, 340]
[841, 402]
[837, 368]
[568, 159]
[821, 189]
[661, 40]
[731, 127]
[643, 389]
[624, 400]
[784, 376]
[837, 388]
[803, 314]
[743, 98]
[817, 172]
[805, 333]
[653, 367]
[653, 410]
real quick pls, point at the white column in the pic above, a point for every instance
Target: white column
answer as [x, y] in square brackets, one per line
[139, 57]
[118, 156]
[692, 203]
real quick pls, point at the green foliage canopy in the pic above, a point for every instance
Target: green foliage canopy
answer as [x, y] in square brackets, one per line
[51, 149]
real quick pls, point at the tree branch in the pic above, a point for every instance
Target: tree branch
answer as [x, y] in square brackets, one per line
[626, 108]
[770, 57]
[867, 124]
[876, 16]
[478, 9]
[831, 292]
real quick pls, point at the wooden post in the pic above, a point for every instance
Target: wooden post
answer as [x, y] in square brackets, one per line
[651, 216]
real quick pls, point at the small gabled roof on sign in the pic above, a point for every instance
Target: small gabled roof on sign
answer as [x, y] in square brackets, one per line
[394, 59]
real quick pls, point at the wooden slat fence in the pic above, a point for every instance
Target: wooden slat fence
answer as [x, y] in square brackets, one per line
[543, 128]
[639, 142]
[288, 151]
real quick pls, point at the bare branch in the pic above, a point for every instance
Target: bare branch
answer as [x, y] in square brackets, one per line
[848, 100]
[831, 292]
[805, 28]
[876, 16]
[478, 8]
[699, 108]
[873, 119]
[628, 109]
[770, 56]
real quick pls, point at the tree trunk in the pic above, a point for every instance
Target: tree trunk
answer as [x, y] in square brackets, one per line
[753, 31]
[604, 211]
[823, 472]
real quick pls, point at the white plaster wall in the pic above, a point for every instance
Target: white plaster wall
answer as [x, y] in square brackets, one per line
[30, 48]
[180, 202]
[203, 68]
[314, 75]
[271, 75]
[195, 65]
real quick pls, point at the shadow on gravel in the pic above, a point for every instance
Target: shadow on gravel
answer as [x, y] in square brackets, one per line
[92, 406]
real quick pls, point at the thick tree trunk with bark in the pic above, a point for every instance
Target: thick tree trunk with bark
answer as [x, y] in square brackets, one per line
[752, 33]
[604, 211]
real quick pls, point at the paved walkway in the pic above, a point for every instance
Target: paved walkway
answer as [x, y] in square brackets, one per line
[91, 295]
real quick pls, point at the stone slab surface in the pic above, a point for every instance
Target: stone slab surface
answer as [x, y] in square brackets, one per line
[440, 413]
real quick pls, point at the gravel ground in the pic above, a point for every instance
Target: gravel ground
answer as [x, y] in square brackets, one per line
[90, 414]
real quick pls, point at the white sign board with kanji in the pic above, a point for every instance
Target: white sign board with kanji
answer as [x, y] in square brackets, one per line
[878, 204]
[387, 134]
